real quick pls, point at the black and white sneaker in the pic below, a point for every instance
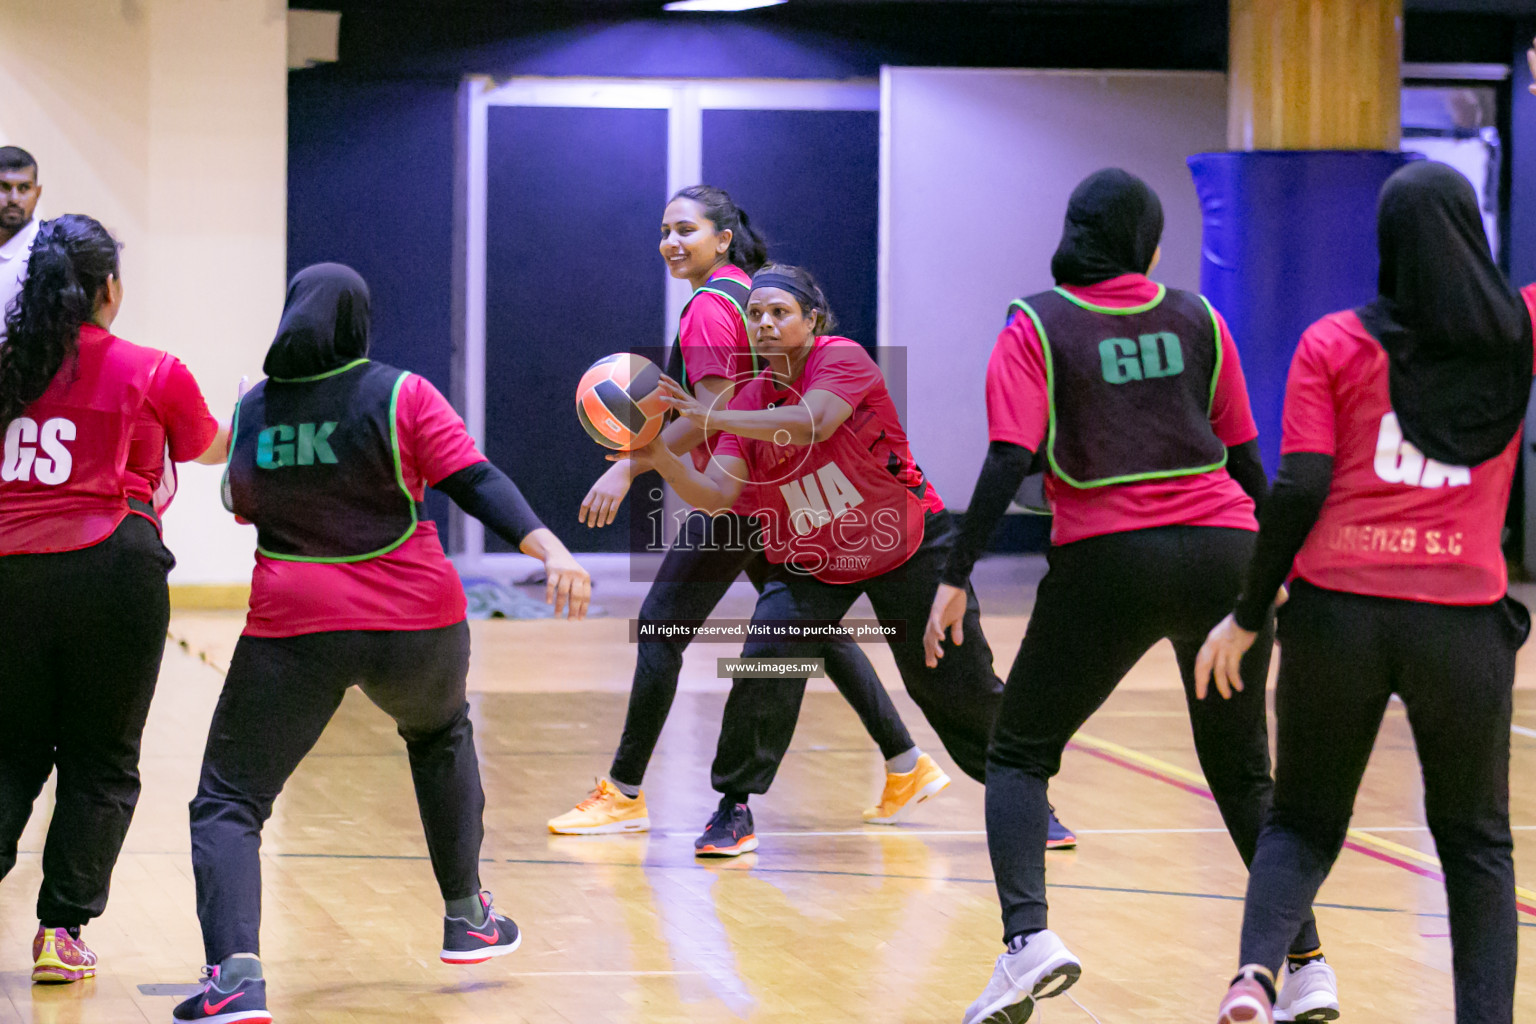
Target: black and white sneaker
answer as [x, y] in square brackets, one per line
[467, 943]
[729, 833]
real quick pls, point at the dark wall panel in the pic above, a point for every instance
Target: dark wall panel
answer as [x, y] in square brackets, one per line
[810, 179]
[370, 184]
[574, 199]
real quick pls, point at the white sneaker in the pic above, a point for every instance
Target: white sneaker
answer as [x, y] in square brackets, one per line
[1309, 992]
[1043, 968]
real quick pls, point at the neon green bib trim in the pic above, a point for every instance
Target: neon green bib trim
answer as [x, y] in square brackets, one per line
[705, 287]
[1162, 293]
[321, 376]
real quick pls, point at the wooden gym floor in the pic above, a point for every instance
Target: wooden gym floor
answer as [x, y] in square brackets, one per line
[830, 921]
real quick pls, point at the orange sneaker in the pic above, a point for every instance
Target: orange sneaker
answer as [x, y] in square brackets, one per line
[605, 810]
[59, 957]
[906, 790]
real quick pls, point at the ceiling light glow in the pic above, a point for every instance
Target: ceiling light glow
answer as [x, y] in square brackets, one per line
[719, 5]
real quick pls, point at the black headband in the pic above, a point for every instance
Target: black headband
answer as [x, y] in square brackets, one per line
[788, 284]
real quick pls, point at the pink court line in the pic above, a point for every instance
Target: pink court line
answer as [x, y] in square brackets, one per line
[1201, 791]
[1148, 772]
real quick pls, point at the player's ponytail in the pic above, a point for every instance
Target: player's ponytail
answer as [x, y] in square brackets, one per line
[749, 250]
[71, 260]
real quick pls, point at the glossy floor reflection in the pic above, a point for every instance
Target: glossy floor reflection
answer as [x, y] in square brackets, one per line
[830, 921]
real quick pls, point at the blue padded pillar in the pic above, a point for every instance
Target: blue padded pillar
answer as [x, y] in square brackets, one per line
[1289, 236]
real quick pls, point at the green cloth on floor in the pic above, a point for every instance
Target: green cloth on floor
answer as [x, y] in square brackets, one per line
[491, 599]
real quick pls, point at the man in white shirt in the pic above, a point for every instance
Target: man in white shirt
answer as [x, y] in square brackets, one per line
[19, 192]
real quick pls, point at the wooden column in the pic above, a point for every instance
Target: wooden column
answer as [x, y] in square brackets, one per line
[1314, 74]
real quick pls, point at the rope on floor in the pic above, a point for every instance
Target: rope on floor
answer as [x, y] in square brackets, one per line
[202, 656]
[1080, 1006]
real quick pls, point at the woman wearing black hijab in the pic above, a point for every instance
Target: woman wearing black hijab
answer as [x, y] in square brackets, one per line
[1132, 395]
[329, 458]
[1401, 435]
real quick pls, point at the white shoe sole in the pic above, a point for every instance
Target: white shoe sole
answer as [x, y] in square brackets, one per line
[1016, 1007]
[746, 847]
[460, 958]
[1327, 1011]
[933, 788]
[1245, 1010]
[631, 825]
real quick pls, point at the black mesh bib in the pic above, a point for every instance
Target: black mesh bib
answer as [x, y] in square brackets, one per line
[315, 464]
[1130, 390]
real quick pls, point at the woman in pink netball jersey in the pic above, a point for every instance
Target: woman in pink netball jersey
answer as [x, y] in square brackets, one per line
[847, 512]
[88, 420]
[1402, 428]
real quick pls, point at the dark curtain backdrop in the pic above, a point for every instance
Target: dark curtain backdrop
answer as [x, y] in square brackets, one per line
[572, 274]
[810, 180]
[370, 184]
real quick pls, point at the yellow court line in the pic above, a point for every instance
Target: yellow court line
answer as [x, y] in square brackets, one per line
[1185, 775]
[1145, 760]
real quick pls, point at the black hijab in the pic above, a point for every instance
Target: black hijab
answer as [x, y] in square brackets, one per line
[324, 324]
[1457, 336]
[1114, 222]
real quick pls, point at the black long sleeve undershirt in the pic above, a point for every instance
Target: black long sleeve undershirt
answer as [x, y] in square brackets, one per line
[1294, 503]
[1001, 474]
[489, 495]
[1006, 467]
[1244, 466]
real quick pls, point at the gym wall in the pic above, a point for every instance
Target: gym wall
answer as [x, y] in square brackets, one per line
[397, 76]
[166, 120]
[371, 176]
[979, 165]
